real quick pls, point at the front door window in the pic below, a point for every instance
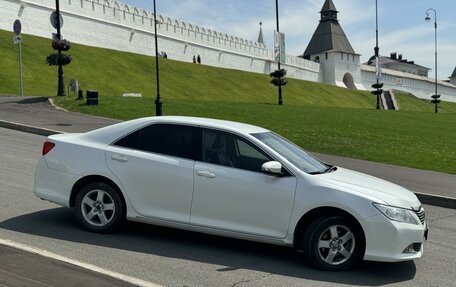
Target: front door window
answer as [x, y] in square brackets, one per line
[231, 150]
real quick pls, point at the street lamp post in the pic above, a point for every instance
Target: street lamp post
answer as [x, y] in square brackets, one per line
[376, 50]
[277, 22]
[61, 83]
[428, 18]
[158, 100]
[377, 86]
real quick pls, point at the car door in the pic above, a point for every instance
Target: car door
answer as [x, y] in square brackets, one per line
[155, 167]
[231, 192]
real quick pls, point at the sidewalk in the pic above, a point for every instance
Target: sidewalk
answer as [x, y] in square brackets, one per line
[20, 268]
[38, 112]
[37, 115]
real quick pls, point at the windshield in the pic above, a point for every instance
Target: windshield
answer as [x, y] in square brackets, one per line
[294, 154]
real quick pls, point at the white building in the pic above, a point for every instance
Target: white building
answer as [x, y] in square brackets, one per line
[396, 62]
[329, 46]
[114, 25]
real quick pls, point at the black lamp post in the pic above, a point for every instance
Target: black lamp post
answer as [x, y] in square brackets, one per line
[158, 100]
[61, 83]
[277, 22]
[436, 96]
[376, 49]
[377, 86]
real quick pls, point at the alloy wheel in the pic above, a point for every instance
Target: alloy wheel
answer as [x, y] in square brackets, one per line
[98, 208]
[336, 244]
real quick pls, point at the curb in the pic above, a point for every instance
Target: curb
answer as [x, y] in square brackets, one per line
[425, 198]
[28, 129]
[51, 102]
[436, 200]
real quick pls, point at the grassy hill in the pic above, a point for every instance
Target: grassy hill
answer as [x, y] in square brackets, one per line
[113, 73]
[319, 117]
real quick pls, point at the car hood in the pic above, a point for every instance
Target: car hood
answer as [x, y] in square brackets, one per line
[383, 190]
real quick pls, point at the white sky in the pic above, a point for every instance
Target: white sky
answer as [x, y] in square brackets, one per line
[402, 27]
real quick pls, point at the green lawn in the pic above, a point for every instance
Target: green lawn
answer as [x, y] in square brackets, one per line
[319, 117]
[413, 139]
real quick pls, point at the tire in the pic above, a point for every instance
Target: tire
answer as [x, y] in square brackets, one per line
[99, 208]
[333, 243]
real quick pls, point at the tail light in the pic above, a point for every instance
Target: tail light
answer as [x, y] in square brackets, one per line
[47, 146]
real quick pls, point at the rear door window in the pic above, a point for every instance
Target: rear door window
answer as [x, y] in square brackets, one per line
[168, 139]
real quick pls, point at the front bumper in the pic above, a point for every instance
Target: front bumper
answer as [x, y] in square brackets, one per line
[391, 241]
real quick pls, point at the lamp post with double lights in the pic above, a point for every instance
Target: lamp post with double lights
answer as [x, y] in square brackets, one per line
[436, 96]
[377, 86]
[279, 74]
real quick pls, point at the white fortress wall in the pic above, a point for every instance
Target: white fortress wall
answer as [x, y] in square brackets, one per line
[114, 25]
[421, 87]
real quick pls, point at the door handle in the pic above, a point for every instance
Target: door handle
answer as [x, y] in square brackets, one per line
[119, 157]
[205, 173]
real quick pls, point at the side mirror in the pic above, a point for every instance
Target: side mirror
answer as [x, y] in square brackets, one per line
[272, 167]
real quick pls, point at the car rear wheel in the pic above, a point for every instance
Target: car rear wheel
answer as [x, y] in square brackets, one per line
[99, 208]
[333, 243]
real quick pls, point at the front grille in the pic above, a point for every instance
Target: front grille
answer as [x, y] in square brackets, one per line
[420, 214]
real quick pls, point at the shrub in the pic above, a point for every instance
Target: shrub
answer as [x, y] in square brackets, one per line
[54, 59]
[62, 45]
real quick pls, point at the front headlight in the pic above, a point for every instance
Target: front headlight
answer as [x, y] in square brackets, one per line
[398, 214]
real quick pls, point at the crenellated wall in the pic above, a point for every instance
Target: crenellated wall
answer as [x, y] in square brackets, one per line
[114, 25]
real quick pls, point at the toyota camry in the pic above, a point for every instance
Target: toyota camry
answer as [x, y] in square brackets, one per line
[230, 179]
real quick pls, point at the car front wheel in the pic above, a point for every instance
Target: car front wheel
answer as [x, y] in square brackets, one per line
[99, 208]
[333, 243]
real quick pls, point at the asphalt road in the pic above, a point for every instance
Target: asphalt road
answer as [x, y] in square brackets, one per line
[179, 258]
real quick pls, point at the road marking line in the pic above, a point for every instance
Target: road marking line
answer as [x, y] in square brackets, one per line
[48, 254]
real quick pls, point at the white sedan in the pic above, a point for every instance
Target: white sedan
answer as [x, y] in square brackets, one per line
[229, 179]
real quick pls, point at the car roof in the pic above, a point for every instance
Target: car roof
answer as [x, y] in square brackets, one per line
[110, 133]
[211, 123]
